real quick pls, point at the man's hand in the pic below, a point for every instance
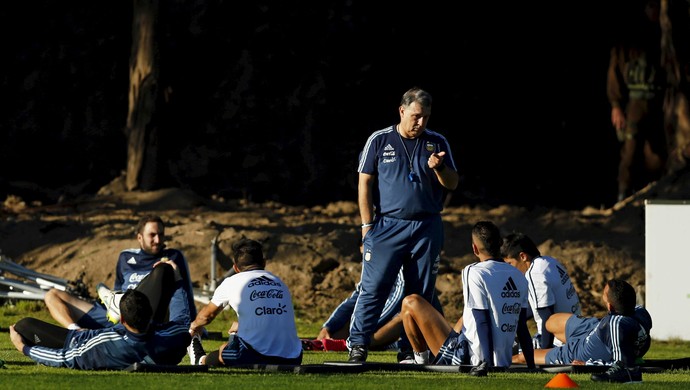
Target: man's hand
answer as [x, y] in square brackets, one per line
[166, 260]
[233, 328]
[324, 334]
[436, 160]
[17, 339]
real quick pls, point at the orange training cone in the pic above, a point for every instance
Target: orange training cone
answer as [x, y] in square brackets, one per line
[561, 381]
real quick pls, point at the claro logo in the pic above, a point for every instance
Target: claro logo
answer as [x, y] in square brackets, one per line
[267, 311]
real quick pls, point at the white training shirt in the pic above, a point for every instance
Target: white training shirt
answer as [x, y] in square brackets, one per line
[264, 312]
[502, 289]
[549, 284]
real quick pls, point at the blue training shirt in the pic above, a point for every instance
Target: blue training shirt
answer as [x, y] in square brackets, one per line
[386, 156]
[133, 265]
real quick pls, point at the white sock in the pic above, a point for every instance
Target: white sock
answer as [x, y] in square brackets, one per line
[73, 326]
[422, 357]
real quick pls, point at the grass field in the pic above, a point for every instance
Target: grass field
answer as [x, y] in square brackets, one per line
[19, 372]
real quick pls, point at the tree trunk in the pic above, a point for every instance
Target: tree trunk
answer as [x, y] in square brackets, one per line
[142, 150]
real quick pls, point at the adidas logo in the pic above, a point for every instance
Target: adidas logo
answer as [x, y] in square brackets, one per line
[131, 260]
[263, 281]
[510, 290]
[388, 147]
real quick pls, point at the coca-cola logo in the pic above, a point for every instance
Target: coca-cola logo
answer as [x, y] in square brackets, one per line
[266, 294]
[136, 278]
[511, 309]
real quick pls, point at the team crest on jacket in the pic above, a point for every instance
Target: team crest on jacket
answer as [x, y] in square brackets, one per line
[367, 256]
[430, 147]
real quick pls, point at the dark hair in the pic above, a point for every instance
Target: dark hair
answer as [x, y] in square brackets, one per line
[416, 94]
[248, 253]
[515, 243]
[489, 236]
[135, 310]
[146, 219]
[622, 297]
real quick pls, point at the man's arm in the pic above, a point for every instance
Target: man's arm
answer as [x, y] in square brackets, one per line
[546, 336]
[365, 199]
[18, 341]
[446, 175]
[525, 339]
[623, 338]
[486, 341]
[205, 316]
[89, 350]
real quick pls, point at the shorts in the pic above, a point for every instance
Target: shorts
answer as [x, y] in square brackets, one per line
[576, 330]
[237, 352]
[96, 318]
[454, 351]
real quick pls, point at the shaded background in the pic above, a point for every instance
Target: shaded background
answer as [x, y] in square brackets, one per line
[269, 100]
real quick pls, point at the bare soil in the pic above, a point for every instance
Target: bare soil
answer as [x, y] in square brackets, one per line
[315, 249]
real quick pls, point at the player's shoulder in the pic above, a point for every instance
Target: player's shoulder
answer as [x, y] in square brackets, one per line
[546, 261]
[382, 133]
[433, 135]
[643, 317]
[130, 251]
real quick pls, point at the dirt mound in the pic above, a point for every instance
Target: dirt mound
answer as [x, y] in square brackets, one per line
[315, 249]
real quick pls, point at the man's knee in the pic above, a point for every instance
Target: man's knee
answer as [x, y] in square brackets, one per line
[410, 302]
[53, 297]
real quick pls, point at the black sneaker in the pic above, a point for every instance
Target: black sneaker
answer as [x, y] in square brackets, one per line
[195, 350]
[618, 373]
[480, 369]
[406, 357]
[358, 354]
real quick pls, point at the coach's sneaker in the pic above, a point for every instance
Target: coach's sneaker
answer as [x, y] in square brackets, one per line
[481, 369]
[111, 301]
[358, 354]
[195, 350]
[620, 374]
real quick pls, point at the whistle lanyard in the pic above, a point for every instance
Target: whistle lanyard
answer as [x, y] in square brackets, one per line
[412, 176]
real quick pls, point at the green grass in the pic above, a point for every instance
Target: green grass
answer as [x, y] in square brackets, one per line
[20, 372]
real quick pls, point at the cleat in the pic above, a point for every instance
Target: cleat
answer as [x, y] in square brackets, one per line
[358, 354]
[111, 301]
[619, 374]
[195, 350]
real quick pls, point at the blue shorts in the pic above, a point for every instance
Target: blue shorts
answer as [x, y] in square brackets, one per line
[237, 352]
[96, 318]
[576, 330]
[454, 351]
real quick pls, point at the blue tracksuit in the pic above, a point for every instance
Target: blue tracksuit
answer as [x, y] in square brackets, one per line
[116, 348]
[408, 231]
[614, 338]
[132, 267]
[343, 313]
